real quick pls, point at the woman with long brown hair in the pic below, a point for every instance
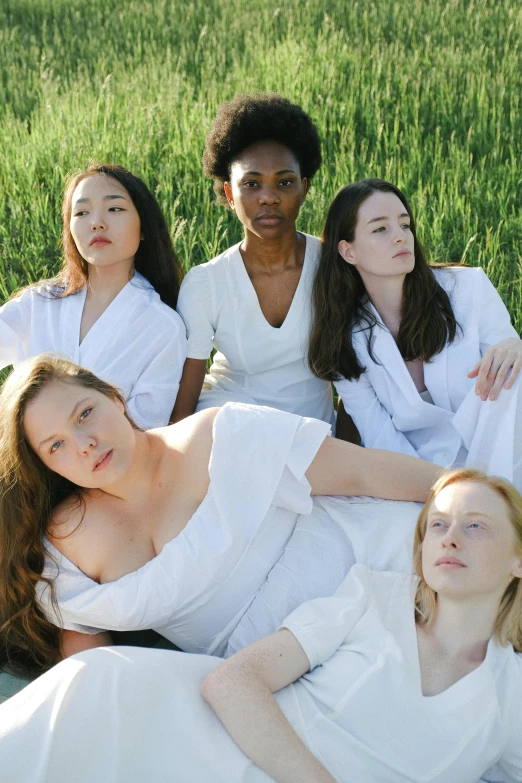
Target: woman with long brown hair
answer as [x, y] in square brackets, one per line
[111, 307]
[106, 527]
[395, 678]
[403, 340]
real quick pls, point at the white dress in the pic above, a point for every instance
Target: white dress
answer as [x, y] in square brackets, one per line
[124, 714]
[255, 362]
[456, 427]
[138, 343]
[204, 590]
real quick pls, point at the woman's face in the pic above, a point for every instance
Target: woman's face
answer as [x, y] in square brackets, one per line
[266, 189]
[383, 246]
[469, 548]
[80, 434]
[104, 224]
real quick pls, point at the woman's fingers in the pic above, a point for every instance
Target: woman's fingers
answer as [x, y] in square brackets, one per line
[515, 370]
[503, 370]
[485, 377]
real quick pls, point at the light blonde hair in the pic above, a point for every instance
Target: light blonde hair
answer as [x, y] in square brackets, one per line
[508, 623]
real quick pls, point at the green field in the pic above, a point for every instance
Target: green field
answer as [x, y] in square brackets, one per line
[425, 93]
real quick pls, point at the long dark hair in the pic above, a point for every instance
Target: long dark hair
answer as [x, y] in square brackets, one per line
[29, 491]
[155, 258]
[340, 302]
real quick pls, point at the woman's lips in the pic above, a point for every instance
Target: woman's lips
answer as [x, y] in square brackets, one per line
[99, 242]
[104, 461]
[269, 220]
[402, 253]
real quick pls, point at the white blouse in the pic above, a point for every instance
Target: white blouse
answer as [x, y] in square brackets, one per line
[362, 706]
[255, 362]
[360, 710]
[138, 343]
[197, 588]
[454, 426]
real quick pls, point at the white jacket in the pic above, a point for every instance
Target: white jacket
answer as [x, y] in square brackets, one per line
[388, 410]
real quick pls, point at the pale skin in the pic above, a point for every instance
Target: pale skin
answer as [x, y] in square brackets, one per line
[467, 522]
[382, 252]
[105, 226]
[266, 191]
[142, 488]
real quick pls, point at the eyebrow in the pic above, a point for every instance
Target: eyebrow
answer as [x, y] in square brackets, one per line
[105, 198]
[278, 173]
[73, 414]
[385, 217]
[466, 514]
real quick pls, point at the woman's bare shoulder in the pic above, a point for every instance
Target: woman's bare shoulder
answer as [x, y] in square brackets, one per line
[73, 523]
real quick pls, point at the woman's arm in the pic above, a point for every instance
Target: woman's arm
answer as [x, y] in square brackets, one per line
[240, 692]
[189, 389]
[72, 642]
[341, 468]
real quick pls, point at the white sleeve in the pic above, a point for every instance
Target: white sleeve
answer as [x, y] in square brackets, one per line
[508, 768]
[493, 318]
[321, 626]
[152, 397]
[15, 326]
[373, 421]
[195, 307]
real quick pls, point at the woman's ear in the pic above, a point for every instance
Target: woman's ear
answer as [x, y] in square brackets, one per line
[517, 571]
[346, 251]
[304, 188]
[228, 194]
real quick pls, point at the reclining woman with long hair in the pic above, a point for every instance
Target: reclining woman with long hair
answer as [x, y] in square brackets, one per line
[403, 340]
[111, 307]
[104, 526]
[395, 678]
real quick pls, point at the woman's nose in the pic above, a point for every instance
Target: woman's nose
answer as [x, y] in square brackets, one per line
[268, 195]
[85, 443]
[451, 538]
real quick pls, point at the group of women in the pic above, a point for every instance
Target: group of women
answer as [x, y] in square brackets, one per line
[239, 520]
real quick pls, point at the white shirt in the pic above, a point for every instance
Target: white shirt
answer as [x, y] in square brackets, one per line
[361, 710]
[390, 413]
[197, 588]
[362, 704]
[138, 343]
[255, 362]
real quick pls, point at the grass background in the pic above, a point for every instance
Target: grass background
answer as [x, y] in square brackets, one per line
[427, 94]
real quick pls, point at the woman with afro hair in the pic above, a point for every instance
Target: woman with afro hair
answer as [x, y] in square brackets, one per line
[252, 302]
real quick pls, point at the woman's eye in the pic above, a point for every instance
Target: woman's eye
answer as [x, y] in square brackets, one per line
[116, 209]
[378, 230]
[251, 183]
[475, 525]
[286, 182]
[437, 523]
[80, 212]
[85, 413]
[56, 445]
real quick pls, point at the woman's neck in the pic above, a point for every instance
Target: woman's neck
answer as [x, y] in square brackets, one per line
[385, 293]
[463, 628]
[138, 483]
[273, 254]
[106, 282]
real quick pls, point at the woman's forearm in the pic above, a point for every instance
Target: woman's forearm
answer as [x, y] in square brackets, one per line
[341, 468]
[251, 715]
[189, 389]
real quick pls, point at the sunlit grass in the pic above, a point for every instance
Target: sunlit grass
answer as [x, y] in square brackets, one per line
[425, 94]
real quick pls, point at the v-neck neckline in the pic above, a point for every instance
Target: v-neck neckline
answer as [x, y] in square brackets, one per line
[297, 292]
[102, 317]
[460, 690]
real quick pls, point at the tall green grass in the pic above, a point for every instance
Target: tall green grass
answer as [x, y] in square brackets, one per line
[427, 94]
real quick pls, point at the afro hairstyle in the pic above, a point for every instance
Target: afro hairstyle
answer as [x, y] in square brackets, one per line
[249, 118]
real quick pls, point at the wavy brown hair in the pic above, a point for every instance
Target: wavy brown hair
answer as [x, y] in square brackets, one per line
[29, 491]
[155, 258]
[340, 303]
[508, 623]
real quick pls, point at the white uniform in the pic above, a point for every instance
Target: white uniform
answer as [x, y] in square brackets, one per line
[138, 343]
[198, 588]
[458, 428]
[130, 715]
[255, 362]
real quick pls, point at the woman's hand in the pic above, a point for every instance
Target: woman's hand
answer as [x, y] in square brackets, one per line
[492, 369]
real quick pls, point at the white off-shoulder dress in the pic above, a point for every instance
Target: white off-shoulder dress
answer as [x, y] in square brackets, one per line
[138, 343]
[254, 362]
[126, 714]
[222, 582]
